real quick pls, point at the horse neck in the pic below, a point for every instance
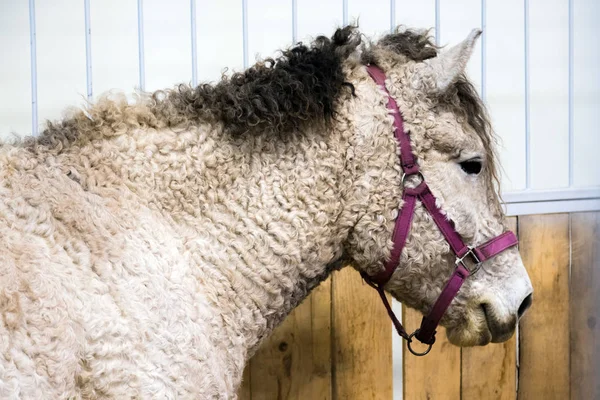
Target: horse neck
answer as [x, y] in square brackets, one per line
[269, 211]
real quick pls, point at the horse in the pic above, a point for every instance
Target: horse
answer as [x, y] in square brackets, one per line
[149, 246]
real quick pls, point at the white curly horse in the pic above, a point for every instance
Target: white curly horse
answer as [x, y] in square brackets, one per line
[147, 249]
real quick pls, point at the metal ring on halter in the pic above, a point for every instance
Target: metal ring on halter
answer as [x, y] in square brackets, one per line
[461, 260]
[409, 341]
[404, 176]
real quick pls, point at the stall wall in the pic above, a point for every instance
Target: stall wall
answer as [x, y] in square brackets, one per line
[536, 65]
[338, 344]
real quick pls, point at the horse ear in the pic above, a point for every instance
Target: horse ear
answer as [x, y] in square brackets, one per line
[449, 65]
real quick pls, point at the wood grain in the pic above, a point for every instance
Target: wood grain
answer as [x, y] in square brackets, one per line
[585, 306]
[544, 330]
[295, 363]
[362, 340]
[499, 362]
[435, 376]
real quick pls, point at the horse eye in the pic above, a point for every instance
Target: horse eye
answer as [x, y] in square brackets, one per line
[471, 167]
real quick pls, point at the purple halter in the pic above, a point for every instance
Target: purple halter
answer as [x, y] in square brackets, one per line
[426, 332]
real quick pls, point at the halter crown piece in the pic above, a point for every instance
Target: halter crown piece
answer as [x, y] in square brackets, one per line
[426, 332]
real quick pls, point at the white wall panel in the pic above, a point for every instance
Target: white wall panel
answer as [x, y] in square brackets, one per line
[417, 15]
[167, 43]
[114, 37]
[15, 70]
[586, 79]
[61, 63]
[549, 69]
[269, 27]
[457, 19]
[505, 86]
[216, 30]
[373, 16]
[219, 38]
[318, 17]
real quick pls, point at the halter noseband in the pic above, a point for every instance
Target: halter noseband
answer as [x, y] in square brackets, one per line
[426, 332]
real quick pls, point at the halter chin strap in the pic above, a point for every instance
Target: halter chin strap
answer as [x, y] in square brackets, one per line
[477, 255]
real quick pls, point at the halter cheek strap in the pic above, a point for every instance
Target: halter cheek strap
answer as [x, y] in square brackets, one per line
[422, 193]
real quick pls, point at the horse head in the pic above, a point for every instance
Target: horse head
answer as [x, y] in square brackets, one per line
[453, 144]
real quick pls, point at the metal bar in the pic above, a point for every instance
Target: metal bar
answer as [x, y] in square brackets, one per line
[88, 48]
[527, 99]
[345, 12]
[141, 58]
[194, 43]
[548, 207]
[528, 196]
[571, 95]
[392, 15]
[397, 350]
[483, 48]
[294, 22]
[33, 50]
[245, 31]
[437, 22]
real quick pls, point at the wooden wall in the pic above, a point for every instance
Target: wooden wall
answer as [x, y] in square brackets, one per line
[338, 343]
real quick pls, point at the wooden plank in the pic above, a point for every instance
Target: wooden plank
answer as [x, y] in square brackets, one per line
[543, 331]
[362, 340]
[499, 362]
[435, 376]
[584, 302]
[295, 363]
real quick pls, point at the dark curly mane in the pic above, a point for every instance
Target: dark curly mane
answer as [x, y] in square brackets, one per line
[276, 95]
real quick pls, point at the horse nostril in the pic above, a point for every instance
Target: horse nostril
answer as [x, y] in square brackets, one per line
[525, 304]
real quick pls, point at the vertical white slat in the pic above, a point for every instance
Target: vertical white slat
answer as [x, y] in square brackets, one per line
[586, 92]
[549, 93]
[61, 57]
[194, 39]
[373, 16]
[416, 15]
[311, 24]
[220, 38]
[167, 43]
[397, 356]
[17, 70]
[483, 41]
[33, 56]
[571, 136]
[345, 12]
[141, 46]
[268, 28]
[505, 80]
[457, 19]
[438, 26]
[116, 62]
[294, 22]
[245, 32]
[88, 49]
[392, 15]
[527, 96]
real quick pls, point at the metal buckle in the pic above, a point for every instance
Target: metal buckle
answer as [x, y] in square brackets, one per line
[460, 260]
[404, 176]
[416, 353]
